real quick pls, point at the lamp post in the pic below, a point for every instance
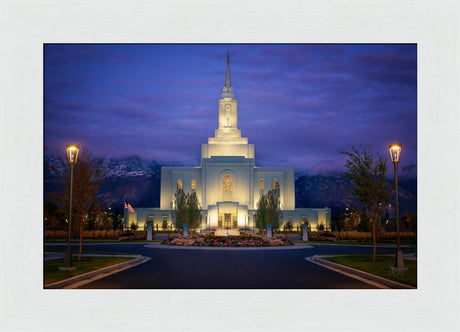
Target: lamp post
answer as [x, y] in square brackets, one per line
[395, 152]
[72, 155]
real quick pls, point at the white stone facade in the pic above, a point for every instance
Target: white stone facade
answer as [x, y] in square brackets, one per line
[228, 183]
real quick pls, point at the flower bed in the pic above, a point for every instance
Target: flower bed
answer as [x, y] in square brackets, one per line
[227, 241]
[132, 238]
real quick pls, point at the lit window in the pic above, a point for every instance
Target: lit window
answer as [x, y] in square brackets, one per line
[179, 184]
[228, 188]
[193, 184]
[228, 185]
[276, 184]
[261, 184]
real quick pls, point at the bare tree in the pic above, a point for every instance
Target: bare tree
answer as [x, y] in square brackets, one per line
[369, 185]
[88, 176]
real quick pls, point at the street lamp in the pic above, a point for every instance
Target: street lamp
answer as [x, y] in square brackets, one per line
[395, 152]
[72, 155]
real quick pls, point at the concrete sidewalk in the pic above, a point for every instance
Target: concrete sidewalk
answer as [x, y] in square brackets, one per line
[49, 255]
[360, 275]
[91, 276]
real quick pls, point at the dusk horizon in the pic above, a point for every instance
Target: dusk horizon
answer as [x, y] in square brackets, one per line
[307, 102]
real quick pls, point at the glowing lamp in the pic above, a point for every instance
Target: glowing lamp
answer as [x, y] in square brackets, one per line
[395, 152]
[72, 153]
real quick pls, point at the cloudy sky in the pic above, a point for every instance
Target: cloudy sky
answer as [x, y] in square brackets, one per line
[299, 104]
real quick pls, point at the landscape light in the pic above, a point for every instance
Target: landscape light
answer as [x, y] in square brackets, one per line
[72, 155]
[395, 153]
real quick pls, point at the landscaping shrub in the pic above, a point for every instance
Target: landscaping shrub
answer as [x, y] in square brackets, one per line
[97, 235]
[227, 241]
[367, 236]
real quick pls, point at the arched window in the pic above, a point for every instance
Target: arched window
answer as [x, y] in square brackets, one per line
[228, 188]
[276, 184]
[193, 184]
[261, 187]
[179, 184]
[228, 183]
[261, 184]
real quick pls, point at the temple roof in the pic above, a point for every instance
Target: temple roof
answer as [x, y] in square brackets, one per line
[227, 91]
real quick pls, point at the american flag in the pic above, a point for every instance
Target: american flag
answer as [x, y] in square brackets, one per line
[129, 207]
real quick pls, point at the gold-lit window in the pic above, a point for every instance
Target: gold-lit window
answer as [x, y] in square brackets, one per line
[193, 184]
[179, 184]
[228, 184]
[276, 184]
[261, 184]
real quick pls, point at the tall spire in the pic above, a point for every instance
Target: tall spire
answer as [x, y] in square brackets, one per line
[227, 92]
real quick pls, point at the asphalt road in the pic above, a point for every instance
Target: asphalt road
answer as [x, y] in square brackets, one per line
[222, 269]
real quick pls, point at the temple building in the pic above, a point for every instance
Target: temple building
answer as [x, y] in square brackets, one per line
[228, 183]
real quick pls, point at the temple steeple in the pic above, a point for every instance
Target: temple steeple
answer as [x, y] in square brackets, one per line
[227, 140]
[227, 91]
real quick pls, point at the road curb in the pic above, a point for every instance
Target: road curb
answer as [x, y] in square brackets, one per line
[138, 259]
[158, 245]
[362, 274]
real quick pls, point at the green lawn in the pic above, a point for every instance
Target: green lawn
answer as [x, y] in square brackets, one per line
[51, 268]
[381, 267]
[99, 241]
[75, 252]
[358, 243]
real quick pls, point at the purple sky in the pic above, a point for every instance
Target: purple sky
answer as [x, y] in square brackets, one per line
[299, 104]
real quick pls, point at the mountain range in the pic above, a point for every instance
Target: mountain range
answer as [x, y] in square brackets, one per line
[139, 180]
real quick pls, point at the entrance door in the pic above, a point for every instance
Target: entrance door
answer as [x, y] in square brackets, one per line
[227, 220]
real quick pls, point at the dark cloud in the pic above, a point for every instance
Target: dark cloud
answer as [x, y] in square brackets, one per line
[299, 104]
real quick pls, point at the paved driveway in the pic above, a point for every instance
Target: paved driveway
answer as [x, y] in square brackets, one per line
[227, 269]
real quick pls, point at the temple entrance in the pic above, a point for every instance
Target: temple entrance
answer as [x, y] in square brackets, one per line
[227, 220]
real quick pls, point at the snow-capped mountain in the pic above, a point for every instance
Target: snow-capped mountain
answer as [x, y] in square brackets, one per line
[138, 181]
[133, 178]
[130, 166]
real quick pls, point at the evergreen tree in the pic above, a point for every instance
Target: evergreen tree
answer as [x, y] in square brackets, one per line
[338, 221]
[269, 209]
[261, 212]
[185, 209]
[117, 219]
[54, 217]
[193, 210]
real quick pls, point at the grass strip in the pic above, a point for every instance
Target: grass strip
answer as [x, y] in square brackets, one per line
[52, 274]
[88, 252]
[356, 243]
[380, 252]
[381, 267]
[100, 241]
